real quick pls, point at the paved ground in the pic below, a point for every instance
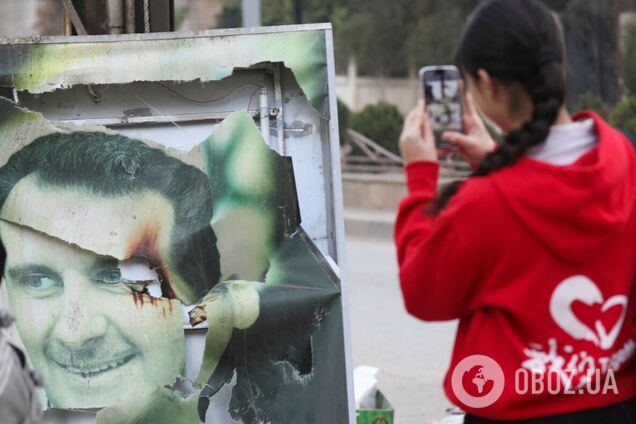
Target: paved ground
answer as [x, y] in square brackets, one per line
[412, 356]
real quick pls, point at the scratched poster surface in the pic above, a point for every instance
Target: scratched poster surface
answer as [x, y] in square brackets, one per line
[44, 67]
[123, 256]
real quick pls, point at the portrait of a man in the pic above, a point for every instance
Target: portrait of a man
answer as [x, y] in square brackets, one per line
[110, 253]
[85, 323]
[153, 251]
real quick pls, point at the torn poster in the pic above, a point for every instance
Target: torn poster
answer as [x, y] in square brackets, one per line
[126, 259]
[52, 63]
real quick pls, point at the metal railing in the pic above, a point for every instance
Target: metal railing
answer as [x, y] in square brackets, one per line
[364, 155]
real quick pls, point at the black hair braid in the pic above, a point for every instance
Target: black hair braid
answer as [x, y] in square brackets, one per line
[546, 103]
[516, 42]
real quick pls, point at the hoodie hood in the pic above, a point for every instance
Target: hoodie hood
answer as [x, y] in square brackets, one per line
[574, 210]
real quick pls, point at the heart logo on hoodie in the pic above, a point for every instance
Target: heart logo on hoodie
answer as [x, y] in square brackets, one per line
[579, 308]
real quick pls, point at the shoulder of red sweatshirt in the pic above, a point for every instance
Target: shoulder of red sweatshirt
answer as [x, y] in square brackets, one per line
[537, 261]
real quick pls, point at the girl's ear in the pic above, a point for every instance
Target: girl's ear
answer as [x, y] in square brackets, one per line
[488, 87]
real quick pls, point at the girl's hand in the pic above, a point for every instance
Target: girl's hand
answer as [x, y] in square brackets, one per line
[417, 142]
[477, 142]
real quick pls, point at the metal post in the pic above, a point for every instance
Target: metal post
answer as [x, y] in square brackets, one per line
[263, 103]
[67, 27]
[130, 16]
[251, 10]
[74, 17]
[116, 23]
[278, 110]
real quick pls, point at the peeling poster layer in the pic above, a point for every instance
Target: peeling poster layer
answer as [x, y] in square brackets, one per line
[52, 63]
[119, 251]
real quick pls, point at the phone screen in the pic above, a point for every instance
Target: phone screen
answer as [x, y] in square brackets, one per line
[442, 95]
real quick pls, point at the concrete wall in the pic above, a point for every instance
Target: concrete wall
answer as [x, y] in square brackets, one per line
[357, 92]
[626, 19]
[381, 192]
[373, 192]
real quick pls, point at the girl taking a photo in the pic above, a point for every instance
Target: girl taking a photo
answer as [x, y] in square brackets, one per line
[535, 253]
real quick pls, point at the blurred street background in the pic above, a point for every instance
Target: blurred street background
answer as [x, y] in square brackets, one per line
[412, 356]
[379, 47]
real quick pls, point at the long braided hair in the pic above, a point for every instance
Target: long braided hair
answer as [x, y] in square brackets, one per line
[516, 42]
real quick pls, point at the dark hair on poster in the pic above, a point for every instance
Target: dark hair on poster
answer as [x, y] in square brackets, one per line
[114, 165]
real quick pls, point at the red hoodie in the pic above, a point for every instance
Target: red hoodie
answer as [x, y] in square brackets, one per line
[537, 261]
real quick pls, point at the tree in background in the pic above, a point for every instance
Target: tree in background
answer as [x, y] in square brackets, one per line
[381, 123]
[623, 115]
[590, 28]
[557, 5]
[374, 33]
[588, 100]
[629, 58]
[434, 38]
[343, 122]
[395, 38]
[389, 39]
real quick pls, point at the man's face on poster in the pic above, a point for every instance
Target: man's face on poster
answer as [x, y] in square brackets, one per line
[97, 334]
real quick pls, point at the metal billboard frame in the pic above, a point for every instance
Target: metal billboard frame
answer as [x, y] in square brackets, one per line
[334, 216]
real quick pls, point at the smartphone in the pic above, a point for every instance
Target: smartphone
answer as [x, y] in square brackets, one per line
[443, 98]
